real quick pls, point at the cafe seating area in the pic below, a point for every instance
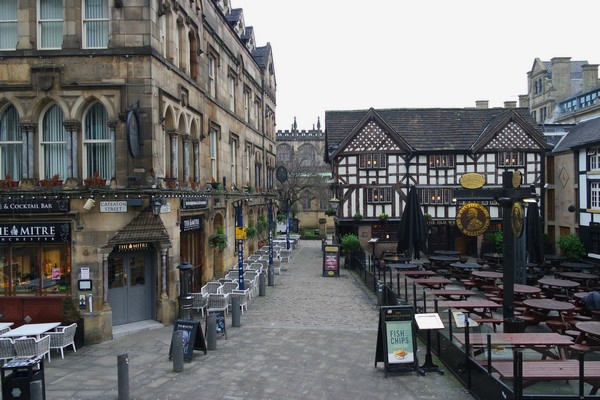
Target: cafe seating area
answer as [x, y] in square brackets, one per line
[551, 328]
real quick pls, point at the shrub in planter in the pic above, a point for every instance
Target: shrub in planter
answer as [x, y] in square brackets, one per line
[218, 240]
[350, 243]
[572, 247]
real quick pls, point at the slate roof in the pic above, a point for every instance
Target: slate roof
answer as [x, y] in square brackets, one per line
[583, 134]
[261, 55]
[429, 130]
[143, 228]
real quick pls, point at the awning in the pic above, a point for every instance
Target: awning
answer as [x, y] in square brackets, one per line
[143, 228]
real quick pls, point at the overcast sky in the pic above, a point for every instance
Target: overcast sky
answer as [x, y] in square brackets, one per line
[350, 54]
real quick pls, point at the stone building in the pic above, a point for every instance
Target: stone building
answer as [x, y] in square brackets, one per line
[302, 151]
[562, 95]
[127, 130]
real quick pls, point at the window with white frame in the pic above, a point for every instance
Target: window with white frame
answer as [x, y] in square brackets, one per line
[441, 161]
[595, 195]
[246, 166]
[11, 144]
[53, 143]
[372, 161]
[212, 75]
[377, 195]
[435, 195]
[256, 114]
[8, 25]
[98, 158]
[95, 24]
[213, 137]
[511, 159]
[233, 144]
[594, 157]
[246, 105]
[231, 92]
[50, 24]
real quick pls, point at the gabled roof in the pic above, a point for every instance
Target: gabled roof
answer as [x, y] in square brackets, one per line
[433, 130]
[143, 228]
[261, 55]
[583, 134]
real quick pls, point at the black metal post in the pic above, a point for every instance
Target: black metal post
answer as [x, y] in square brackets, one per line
[239, 223]
[271, 279]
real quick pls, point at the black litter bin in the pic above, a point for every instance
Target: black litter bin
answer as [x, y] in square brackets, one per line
[17, 377]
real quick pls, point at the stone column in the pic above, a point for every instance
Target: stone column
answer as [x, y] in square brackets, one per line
[73, 129]
[27, 129]
[174, 166]
[185, 139]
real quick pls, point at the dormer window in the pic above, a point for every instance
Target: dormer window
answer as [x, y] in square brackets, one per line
[594, 158]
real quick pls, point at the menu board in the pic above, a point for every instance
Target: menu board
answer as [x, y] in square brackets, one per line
[192, 338]
[396, 339]
[331, 260]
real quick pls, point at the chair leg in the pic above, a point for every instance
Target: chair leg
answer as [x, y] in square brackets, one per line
[62, 353]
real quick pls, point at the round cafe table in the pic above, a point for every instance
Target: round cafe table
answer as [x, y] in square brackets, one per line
[524, 290]
[590, 331]
[462, 270]
[453, 253]
[545, 306]
[396, 259]
[582, 277]
[553, 286]
[575, 266]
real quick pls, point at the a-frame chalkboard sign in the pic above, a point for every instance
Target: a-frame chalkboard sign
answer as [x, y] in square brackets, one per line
[193, 338]
[220, 325]
[397, 339]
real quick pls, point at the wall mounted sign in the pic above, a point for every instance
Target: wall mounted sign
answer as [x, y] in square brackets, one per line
[50, 232]
[472, 180]
[113, 206]
[516, 218]
[190, 224]
[133, 247]
[281, 173]
[34, 206]
[473, 219]
[132, 130]
[199, 202]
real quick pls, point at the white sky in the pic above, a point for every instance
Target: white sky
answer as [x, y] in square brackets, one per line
[350, 54]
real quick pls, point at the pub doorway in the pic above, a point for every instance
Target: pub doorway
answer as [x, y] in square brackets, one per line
[130, 293]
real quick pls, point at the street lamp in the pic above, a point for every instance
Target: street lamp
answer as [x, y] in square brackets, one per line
[157, 205]
[334, 202]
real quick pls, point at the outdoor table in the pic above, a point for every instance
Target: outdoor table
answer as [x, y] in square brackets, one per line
[432, 282]
[540, 342]
[482, 308]
[4, 325]
[398, 268]
[462, 270]
[553, 286]
[495, 257]
[484, 279]
[31, 330]
[452, 294]
[525, 291]
[442, 261]
[575, 266]
[452, 253]
[417, 274]
[396, 259]
[540, 308]
[589, 332]
[581, 277]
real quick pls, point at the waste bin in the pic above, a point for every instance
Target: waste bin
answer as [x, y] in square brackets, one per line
[514, 325]
[18, 376]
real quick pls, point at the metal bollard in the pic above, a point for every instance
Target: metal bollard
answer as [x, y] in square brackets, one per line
[271, 277]
[177, 353]
[380, 294]
[261, 285]
[235, 311]
[123, 376]
[211, 332]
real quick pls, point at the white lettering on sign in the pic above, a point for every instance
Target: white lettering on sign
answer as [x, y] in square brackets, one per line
[113, 206]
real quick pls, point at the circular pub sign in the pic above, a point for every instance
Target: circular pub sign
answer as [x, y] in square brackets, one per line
[516, 217]
[473, 219]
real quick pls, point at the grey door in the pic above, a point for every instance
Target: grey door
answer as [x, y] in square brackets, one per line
[129, 287]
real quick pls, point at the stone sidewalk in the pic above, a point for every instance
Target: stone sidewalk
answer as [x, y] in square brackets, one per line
[309, 337]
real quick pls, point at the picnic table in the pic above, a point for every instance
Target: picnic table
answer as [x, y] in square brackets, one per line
[417, 274]
[482, 308]
[432, 282]
[398, 258]
[452, 294]
[462, 270]
[486, 280]
[525, 291]
[540, 309]
[576, 266]
[544, 343]
[589, 332]
[438, 262]
[453, 253]
[583, 278]
[553, 287]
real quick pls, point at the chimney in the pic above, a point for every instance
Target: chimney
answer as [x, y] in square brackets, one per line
[510, 104]
[590, 76]
[481, 104]
[561, 77]
[523, 101]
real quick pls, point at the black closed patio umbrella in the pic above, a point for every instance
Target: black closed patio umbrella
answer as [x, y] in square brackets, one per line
[412, 233]
[534, 234]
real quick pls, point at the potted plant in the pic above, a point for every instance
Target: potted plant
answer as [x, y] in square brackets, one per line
[95, 181]
[383, 217]
[71, 314]
[218, 240]
[572, 247]
[214, 183]
[250, 231]
[54, 181]
[330, 212]
[357, 216]
[8, 182]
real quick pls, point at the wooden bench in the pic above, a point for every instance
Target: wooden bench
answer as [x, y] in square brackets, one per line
[552, 370]
[493, 321]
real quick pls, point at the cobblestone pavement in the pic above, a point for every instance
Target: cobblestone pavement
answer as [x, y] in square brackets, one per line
[309, 337]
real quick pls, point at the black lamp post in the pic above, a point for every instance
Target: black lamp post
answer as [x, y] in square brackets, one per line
[239, 240]
[271, 276]
[334, 203]
[185, 286]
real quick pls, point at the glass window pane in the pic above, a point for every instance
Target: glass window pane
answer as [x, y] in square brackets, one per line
[10, 144]
[54, 144]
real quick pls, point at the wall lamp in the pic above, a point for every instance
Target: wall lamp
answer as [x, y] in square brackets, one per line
[89, 204]
[157, 205]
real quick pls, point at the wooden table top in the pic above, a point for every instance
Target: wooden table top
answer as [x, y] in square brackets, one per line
[517, 339]
[447, 253]
[417, 274]
[403, 266]
[559, 283]
[577, 275]
[466, 265]
[549, 304]
[487, 274]
[523, 289]
[576, 265]
[396, 259]
[432, 281]
[469, 304]
[449, 293]
[446, 259]
[591, 327]
[493, 256]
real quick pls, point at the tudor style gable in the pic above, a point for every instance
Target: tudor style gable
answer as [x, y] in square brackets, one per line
[372, 138]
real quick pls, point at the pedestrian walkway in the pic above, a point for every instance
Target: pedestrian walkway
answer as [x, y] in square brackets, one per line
[309, 337]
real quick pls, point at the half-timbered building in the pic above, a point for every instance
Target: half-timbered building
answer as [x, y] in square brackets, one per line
[376, 155]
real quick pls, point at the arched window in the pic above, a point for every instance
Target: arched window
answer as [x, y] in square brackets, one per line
[54, 154]
[11, 144]
[98, 155]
